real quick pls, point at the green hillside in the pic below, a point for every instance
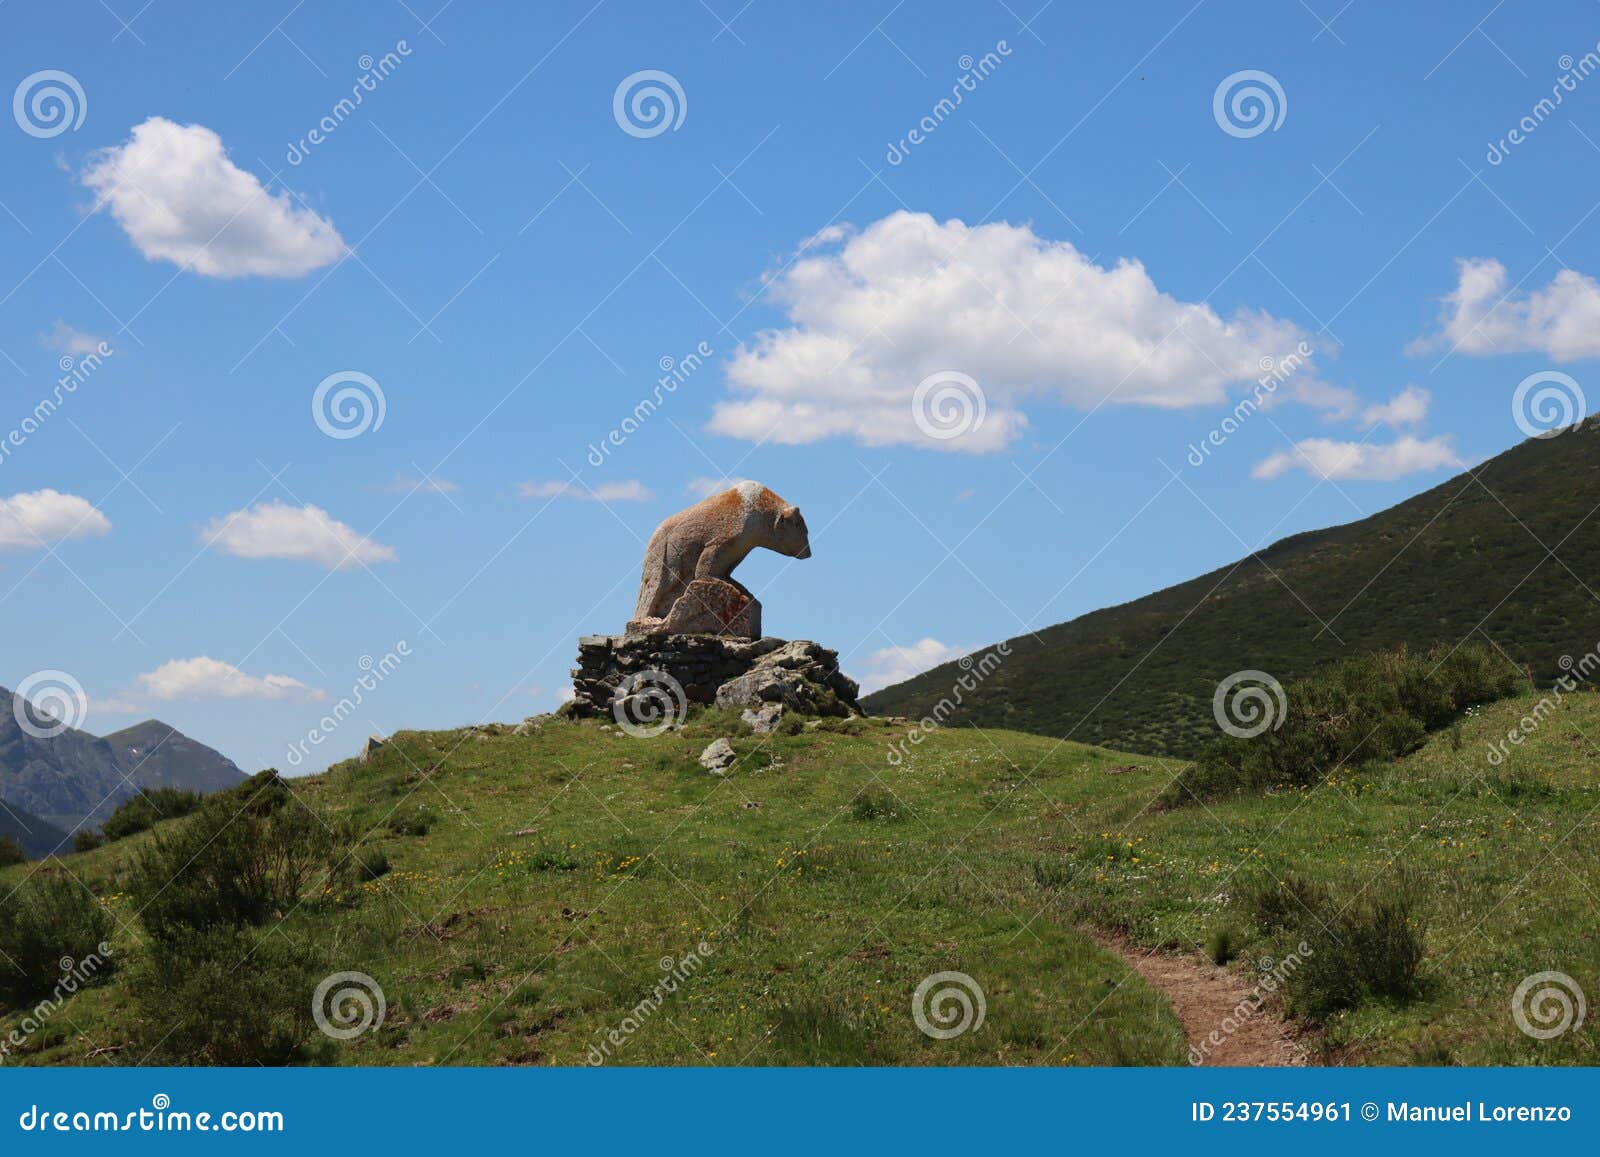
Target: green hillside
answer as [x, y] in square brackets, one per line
[1466, 558]
[521, 895]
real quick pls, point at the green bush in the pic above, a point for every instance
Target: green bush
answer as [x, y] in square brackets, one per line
[371, 863]
[417, 820]
[1368, 949]
[234, 862]
[1285, 904]
[1222, 946]
[11, 852]
[149, 807]
[1371, 708]
[871, 806]
[228, 996]
[86, 841]
[46, 922]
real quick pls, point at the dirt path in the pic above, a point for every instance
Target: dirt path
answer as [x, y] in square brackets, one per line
[1216, 1008]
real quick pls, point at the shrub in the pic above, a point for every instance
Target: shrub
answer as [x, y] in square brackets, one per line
[1286, 903]
[233, 864]
[149, 807]
[1365, 950]
[371, 863]
[86, 841]
[1222, 946]
[413, 821]
[11, 852]
[228, 996]
[46, 921]
[1370, 708]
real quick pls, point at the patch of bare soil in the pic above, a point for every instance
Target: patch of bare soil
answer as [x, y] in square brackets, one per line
[1222, 1018]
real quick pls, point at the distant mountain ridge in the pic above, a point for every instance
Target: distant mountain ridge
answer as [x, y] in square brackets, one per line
[1508, 551]
[76, 779]
[37, 837]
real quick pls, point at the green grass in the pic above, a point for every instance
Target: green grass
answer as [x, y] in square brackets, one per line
[529, 916]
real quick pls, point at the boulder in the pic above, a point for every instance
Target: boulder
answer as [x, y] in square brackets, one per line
[718, 757]
[763, 720]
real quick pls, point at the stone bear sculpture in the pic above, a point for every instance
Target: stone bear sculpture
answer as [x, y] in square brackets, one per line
[688, 587]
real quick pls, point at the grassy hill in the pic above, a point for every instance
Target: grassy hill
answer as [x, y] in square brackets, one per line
[527, 892]
[1467, 558]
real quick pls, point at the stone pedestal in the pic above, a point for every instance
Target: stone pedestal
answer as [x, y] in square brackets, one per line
[799, 675]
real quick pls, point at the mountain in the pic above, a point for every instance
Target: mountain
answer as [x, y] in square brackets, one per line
[76, 778]
[1508, 551]
[36, 837]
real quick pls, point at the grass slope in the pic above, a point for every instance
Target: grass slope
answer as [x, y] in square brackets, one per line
[559, 868]
[1461, 558]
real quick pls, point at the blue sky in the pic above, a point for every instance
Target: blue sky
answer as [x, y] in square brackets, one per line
[1095, 248]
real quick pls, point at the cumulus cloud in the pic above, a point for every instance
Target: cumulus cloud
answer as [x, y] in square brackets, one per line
[1407, 408]
[1361, 461]
[894, 665]
[64, 338]
[206, 678]
[1481, 316]
[274, 529]
[630, 491]
[37, 517]
[875, 313]
[705, 486]
[179, 198]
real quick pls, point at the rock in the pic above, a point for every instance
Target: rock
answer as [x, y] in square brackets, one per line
[718, 757]
[708, 607]
[370, 746]
[763, 720]
[800, 676]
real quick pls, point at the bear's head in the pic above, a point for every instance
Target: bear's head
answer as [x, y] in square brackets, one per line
[789, 533]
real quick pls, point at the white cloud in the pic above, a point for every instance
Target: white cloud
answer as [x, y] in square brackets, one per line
[875, 313]
[37, 517]
[275, 529]
[894, 665]
[1407, 408]
[705, 486]
[179, 198]
[72, 341]
[630, 491]
[207, 678]
[1361, 461]
[1481, 316]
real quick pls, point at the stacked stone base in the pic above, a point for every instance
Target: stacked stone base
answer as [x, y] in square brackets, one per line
[730, 672]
